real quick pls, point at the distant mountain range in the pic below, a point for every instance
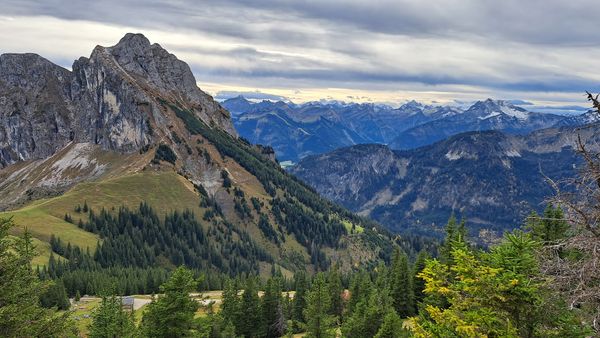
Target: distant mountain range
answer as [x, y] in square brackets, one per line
[483, 115]
[298, 130]
[492, 178]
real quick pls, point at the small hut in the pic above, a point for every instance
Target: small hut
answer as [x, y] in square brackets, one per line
[127, 303]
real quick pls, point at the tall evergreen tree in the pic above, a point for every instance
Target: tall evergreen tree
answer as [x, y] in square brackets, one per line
[299, 301]
[392, 327]
[172, 314]
[230, 305]
[418, 282]
[335, 291]
[495, 294]
[20, 312]
[401, 285]
[360, 288]
[272, 310]
[109, 320]
[318, 303]
[249, 324]
[367, 316]
[55, 296]
[454, 232]
[549, 228]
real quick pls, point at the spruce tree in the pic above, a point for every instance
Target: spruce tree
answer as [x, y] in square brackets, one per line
[454, 233]
[299, 302]
[20, 312]
[230, 305]
[335, 292]
[391, 327]
[368, 314]
[318, 304]
[172, 314]
[110, 320]
[360, 288]
[55, 296]
[401, 285]
[249, 322]
[419, 283]
[272, 311]
[549, 228]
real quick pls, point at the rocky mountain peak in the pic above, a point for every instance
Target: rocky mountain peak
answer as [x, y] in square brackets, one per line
[132, 42]
[413, 103]
[112, 99]
[496, 108]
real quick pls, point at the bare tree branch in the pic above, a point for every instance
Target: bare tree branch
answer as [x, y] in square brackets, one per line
[574, 263]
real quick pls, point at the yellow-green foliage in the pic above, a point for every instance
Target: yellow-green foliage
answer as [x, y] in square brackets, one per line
[469, 287]
[497, 294]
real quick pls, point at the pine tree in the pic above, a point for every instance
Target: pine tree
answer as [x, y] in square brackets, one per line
[451, 232]
[272, 311]
[498, 294]
[360, 288]
[110, 320]
[367, 316]
[335, 292]
[391, 327]
[20, 312]
[299, 302]
[318, 304]
[249, 322]
[55, 296]
[230, 305]
[419, 283]
[401, 285]
[549, 228]
[454, 233]
[172, 314]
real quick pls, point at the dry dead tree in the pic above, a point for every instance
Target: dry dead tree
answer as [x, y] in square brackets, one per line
[573, 263]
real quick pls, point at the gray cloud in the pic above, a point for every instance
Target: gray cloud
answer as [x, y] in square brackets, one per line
[534, 21]
[510, 46]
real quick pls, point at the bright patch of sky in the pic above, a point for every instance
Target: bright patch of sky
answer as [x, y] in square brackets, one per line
[540, 52]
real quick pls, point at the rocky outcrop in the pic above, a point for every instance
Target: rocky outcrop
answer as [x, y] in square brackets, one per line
[111, 99]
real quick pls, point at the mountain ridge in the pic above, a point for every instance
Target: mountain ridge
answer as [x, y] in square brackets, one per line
[492, 178]
[132, 113]
[411, 125]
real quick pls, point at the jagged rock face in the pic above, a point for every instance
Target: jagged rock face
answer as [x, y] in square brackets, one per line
[35, 110]
[109, 99]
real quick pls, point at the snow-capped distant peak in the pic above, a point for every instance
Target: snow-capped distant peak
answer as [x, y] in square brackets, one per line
[514, 111]
[493, 108]
[413, 103]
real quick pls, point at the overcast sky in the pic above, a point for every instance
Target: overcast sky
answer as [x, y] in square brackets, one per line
[543, 51]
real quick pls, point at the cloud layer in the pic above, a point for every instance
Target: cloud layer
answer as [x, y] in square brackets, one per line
[540, 50]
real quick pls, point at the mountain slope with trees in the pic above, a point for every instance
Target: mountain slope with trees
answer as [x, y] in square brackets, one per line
[136, 145]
